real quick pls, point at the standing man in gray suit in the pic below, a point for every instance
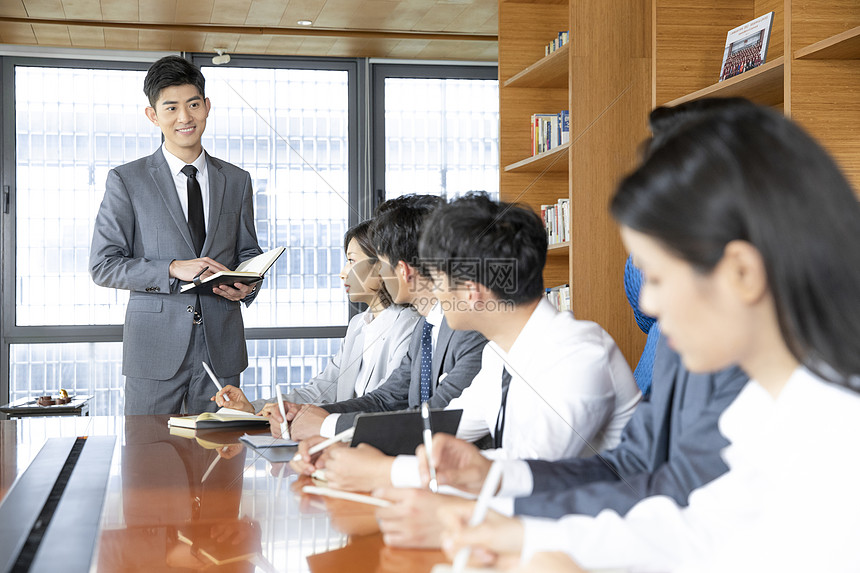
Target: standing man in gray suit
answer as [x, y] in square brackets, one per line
[176, 215]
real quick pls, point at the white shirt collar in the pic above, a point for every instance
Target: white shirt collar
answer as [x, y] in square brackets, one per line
[175, 164]
[435, 316]
[523, 349]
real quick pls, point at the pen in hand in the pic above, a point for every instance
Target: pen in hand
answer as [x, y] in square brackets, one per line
[197, 276]
[215, 380]
[428, 446]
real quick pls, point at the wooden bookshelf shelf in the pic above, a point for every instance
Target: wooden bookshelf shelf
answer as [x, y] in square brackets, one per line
[844, 46]
[555, 161]
[763, 85]
[558, 249]
[548, 72]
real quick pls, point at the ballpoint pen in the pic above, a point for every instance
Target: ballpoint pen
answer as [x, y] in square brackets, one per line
[488, 490]
[197, 276]
[428, 446]
[215, 380]
[341, 437]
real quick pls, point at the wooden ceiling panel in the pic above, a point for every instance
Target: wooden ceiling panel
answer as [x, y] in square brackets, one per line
[17, 34]
[196, 12]
[338, 13]
[44, 9]
[253, 44]
[362, 48]
[266, 12]
[187, 41]
[120, 10]
[52, 35]
[118, 39]
[441, 16]
[13, 9]
[343, 28]
[159, 10]
[155, 40]
[230, 12]
[480, 19]
[301, 10]
[82, 9]
[87, 37]
[284, 45]
[227, 42]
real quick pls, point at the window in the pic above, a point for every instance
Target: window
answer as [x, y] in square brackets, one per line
[439, 132]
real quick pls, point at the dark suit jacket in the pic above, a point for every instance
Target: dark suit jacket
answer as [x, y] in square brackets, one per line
[140, 229]
[457, 353]
[671, 446]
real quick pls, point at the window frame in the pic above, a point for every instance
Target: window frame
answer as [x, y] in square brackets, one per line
[10, 332]
[383, 70]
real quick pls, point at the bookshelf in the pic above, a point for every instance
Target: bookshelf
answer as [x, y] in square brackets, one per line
[603, 76]
[812, 73]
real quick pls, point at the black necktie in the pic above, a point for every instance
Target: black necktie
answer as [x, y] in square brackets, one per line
[196, 224]
[500, 420]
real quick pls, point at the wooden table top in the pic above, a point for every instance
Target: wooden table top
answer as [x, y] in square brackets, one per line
[248, 514]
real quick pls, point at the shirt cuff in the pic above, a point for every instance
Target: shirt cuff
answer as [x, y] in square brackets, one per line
[404, 472]
[328, 429]
[503, 505]
[543, 535]
[517, 479]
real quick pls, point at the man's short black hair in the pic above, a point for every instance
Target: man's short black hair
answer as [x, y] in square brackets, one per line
[171, 71]
[397, 225]
[501, 246]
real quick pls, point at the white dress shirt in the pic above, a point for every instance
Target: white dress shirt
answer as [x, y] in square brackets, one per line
[790, 501]
[571, 393]
[328, 428]
[181, 180]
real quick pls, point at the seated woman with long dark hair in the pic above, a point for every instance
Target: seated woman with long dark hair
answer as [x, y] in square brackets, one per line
[375, 343]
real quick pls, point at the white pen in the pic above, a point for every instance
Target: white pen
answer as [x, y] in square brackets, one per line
[285, 431]
[360, 498]
[214, 379]
[428, 446]
[488, 490]
[341, 437]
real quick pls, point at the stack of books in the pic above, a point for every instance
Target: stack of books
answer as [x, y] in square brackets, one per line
[559, 297]
[563, 38]
[549, 130]
[556, 219]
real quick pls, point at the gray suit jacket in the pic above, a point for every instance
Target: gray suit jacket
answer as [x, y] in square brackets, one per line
[457, 354]
[671, 446]
[140, 229]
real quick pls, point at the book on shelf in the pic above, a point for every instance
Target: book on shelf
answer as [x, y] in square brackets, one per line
[549, 130]
[562, 39]
[556, 219]
[746, 46]
[559, 297]
[223, 418]
[248, 272]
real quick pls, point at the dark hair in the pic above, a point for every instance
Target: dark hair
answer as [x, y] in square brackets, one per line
[361, 234]
[171, 71]
[501, 246]
[397, 226]
[745, 172]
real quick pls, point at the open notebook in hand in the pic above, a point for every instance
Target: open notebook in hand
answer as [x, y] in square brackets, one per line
[248, 272]
[223, 418]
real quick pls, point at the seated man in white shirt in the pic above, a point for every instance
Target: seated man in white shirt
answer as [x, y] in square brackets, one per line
[550, 386]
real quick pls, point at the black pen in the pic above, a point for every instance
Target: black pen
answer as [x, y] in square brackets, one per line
[197, 276]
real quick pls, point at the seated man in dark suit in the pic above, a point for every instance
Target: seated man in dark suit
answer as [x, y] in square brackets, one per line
[450, 359]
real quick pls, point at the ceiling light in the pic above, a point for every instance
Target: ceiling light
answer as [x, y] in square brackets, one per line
[304, 22]
[221, 58]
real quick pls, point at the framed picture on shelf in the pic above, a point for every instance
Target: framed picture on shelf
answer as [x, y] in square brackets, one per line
[746, 46]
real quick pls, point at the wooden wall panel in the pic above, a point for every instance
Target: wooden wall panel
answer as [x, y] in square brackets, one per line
[816, 20]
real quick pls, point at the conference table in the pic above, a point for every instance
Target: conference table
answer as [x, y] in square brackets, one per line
[179, 500]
